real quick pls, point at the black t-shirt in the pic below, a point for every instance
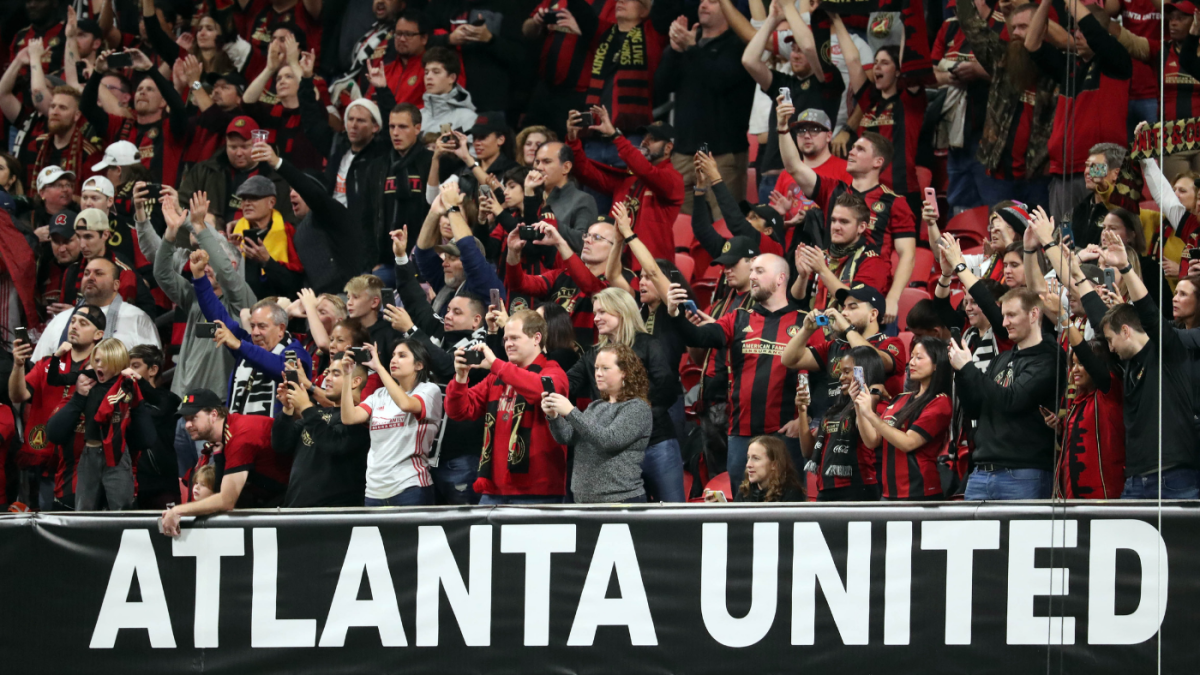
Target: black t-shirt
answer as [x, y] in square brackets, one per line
[808, 92]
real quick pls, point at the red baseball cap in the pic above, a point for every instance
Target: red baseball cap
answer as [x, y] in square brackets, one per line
[1185, 6]
[242, 126]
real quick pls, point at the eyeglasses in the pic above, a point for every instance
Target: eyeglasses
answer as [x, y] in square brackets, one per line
[595, 238]
[406, 34]
[809, 131]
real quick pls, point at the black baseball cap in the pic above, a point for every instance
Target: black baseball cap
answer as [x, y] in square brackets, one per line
[486, 125]
[736, 249]
[865, 293]
[199, 399]
[63, 223]
[93, 314]
[90, 26]
[659, 130]
[232, 78]
[772, 217]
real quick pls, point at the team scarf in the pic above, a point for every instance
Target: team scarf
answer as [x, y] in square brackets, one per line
[113, 417]
[517, 446]
[18, 260]
[277, 242]
[72, 156]
[628, 51]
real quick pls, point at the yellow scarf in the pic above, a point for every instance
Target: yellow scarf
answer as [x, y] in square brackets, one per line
[276, 240]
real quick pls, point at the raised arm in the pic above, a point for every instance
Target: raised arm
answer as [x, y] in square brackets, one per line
[757, 45]
[738, 22]
[38, 88]
[803, 37]
[805, 177]
[9, 105]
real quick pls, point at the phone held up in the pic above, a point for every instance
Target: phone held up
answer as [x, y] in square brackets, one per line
[473, 357]
[547, 384]
[205, 330]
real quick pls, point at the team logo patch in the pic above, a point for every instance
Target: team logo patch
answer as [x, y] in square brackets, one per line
[306, 438]
[793, 331]
[877, 207]
[152, 134]
[60, 219]
[412, 80]
[893, 349]
[726, 247]
[37, 437]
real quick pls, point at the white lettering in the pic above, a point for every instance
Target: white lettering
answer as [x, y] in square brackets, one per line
[436, 568]
[135, 556]
[812, 563]
[207, 547]
[897, 587]
[265, 629]
[364, 554]
[614, 552]
[537, 542]
[960, 540]
[1105, 627]
[1025, 581]
[764, 584]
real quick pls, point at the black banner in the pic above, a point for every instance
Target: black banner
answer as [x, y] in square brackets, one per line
[688, 589]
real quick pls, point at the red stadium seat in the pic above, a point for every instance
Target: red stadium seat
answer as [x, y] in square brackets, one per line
[753, 138]
[686, 265]
[751, 186]
[684, 237]
[907, 338]
[908, 298]
[924, 179]
[956, 297]
[721, 482]
[923, 263]
[973, 222]
[722, 229]
[974, 250]
[1150, 205]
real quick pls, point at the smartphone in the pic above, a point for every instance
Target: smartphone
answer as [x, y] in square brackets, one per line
[690, 306]
[528, 233]
[22, 334]
[479, 21]
[448, 136]
[675, 277]
[205, 330]
[1110, 279]
[1191, 253]
[291, 376]
[153, 191]
[1068, 235]
[254, 235]
[786, 93]
[120, 60]
[473, 357]
[550, 17]
[361, 355]
[496, 300]
[389, 296]
[802, 381]
[931, 200]
[956, 334]
[486, 191]
[289, 356]
[717, 496]
[860, 378]
[547, 385]
[586, 119]
[703, 148]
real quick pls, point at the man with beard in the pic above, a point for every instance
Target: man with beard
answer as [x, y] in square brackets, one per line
[69, 142]
[161, 140]
[849, 261]
[124, 321]
[813, 132]
[92, 229]
[560, 202]
[762, 392]
[394, 65]
[464, 267]
[651, 187]
[1014, 149]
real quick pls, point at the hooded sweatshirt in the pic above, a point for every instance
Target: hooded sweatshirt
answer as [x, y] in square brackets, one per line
[454, 108]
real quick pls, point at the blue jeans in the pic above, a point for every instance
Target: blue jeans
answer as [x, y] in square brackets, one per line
[964, 175]
[1006, 484]
[662, 471]
[1176, 484]
[735, 460]
[413, 496]
[501, 500]
[454, 480]
[1142, 110]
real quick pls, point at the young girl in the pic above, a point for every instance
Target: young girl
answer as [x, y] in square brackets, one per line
[405, 414]
[770, 474]
[205, 482]
[913, 430]
[847, 468]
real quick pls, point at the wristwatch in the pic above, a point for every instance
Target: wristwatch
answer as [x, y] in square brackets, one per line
[631, 237]
[196, 86]
[453, 209]
[960, 268]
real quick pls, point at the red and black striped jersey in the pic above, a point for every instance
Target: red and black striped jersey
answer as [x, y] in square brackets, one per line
[1182, 89]
[1143, 18]
[915, 474]
[161, 150]
[829, 354]
[891, 218]
[837, 436]
[899, 120]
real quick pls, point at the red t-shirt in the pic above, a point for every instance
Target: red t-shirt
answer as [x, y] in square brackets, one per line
[248, 448]
[1143, 19]
[833, 168]
[915, 474]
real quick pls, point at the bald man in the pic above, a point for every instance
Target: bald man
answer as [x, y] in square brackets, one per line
[762, 395]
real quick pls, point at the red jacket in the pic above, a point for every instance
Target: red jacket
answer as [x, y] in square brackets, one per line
[1092, 462]
[653, 192]
[522, 461]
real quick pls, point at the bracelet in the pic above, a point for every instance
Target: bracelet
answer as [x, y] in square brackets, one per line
[1126, 268]
[943, 285]
[1029, 252]
[631, 237]
[1047, 247]
[453, 209]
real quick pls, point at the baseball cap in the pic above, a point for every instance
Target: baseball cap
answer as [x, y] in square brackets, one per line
[486, 125]
[231, 78]
[451, 248]
[99, 184]
[813, 116]
[772, 217]
[93, 220]
[121, 153]
[50, 174]
[865, 293]
[93, 314]
[90, 26]
[199, 399]
[660, 131]
[256, 187]
[1186, 7]
[63, 223]
[736, 249]
[241, 126]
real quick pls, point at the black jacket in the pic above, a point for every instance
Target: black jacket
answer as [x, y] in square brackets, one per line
[212, 177]
[158, 471]
[713, 95]
[331, 252]
[362, 195]
[400, 182]
[492, 63]
[664, 382]
[1005, 400]
[329, 459]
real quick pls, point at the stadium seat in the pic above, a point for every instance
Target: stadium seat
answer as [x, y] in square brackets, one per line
[721, 482]
[753, 139]
[1150, 205]
[973, 222]
[684, 237]
[956, 297]
[906, 337]
[923, 263]
[974, 250]
[687, 266]
[924, 178]
[751, 186]
[908, 298]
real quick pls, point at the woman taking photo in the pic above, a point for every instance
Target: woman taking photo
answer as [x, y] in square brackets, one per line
[404, 414]
[770, 474]
[619, 323]
[914, 428]
[610, 437]
[845, 465]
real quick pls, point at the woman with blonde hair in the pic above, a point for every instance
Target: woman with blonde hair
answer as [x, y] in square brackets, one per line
[105, 406]
[610, 437]
[529, 140]
[618, 322]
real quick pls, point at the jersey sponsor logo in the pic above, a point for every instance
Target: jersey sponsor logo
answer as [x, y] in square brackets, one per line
[37, 437]
[761, 347]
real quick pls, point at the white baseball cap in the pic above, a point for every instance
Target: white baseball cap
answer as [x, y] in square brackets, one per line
[100, 184]
[50, 174]
[121, 153]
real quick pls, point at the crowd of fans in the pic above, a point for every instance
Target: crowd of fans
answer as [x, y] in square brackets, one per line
[396, 252]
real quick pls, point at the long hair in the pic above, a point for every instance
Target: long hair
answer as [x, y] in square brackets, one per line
[784, 475]
[420, 356]
[939, 383]
[560, 332]
[17, 171]
[636, 383]
[620, 303]
[519, 145]
[221, 62]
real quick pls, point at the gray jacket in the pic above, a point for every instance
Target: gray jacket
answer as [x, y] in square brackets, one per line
[454, 108]
[610, 442]
[575, 211]
[201, 362]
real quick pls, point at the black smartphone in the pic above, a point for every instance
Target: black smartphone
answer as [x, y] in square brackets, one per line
[361, 355]
[479, 21]
[22, 334]
[1110, 279]
[703, 148]
[292, 376]
[389, 296]
[153, 191]
[550, 17]
[254, 234]
[497, 302]
[547, 384]
[529, 233]
[120, 60]
[586, 119]
[473, 357]
[1191, 253]
[956, 334]
[206, 330]
[80, 69]
[675, 277]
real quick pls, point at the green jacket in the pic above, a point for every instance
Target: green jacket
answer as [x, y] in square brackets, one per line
[212, 177]
[1004, 101]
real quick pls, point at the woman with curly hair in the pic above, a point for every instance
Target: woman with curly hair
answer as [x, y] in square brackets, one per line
[770, 474]
[529, 140]
[610, 437]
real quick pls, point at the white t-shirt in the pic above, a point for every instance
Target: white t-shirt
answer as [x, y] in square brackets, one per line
[339, 190]
[400, 441]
